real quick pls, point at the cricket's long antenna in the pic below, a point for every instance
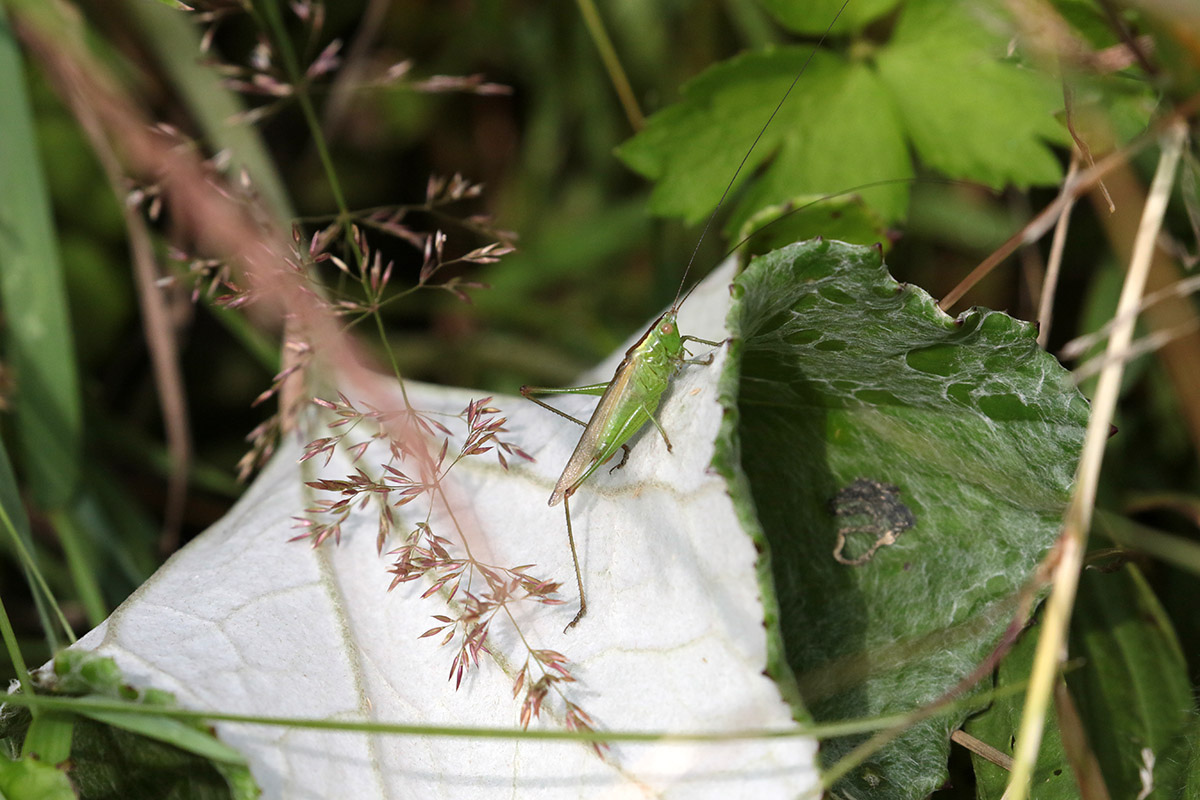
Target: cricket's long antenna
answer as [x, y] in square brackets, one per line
[746, 157]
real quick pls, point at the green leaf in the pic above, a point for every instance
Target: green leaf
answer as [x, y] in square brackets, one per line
[839, 107]
[998, 725]
[814, 16]
[134, 753]
[968, 113]
[30, 779]
[78, 673]
[170, 731]
[111, 763]
[1189, 778]
[81, 673]
[1133, 690]
[938, 86]
[845, 377]
[846, 219]
[37, 342]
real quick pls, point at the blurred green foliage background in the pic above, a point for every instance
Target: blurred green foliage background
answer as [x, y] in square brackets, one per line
[593, 264]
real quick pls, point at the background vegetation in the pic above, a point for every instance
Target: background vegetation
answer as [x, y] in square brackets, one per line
[592, 263]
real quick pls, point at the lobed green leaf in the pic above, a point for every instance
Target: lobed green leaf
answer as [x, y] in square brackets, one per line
[813, 17]
[939, 85]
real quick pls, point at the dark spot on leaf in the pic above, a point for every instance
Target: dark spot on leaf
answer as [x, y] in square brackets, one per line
[880, 510]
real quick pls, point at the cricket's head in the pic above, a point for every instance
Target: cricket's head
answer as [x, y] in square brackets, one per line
[665, 333]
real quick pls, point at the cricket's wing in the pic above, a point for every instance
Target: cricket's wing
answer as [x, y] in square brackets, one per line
[617, 417]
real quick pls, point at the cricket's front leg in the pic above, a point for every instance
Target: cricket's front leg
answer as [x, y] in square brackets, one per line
[704, 362]
[708, 342]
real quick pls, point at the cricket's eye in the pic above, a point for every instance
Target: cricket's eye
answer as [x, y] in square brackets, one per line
[666, 328]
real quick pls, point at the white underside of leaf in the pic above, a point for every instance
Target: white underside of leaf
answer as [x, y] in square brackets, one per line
[243, 621]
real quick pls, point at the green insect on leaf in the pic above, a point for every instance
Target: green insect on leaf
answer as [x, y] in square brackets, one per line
[627, 403]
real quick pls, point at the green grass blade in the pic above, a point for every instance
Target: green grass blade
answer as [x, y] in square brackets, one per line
[38, 341]
[165, 729]
[176, 43]
[120, 741]
[82, 558]
[15, 524]
[13, 647]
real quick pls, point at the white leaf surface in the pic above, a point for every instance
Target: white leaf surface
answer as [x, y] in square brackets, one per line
[242, 620]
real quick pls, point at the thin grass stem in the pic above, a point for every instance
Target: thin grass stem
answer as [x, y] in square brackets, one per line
[1067, 557]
